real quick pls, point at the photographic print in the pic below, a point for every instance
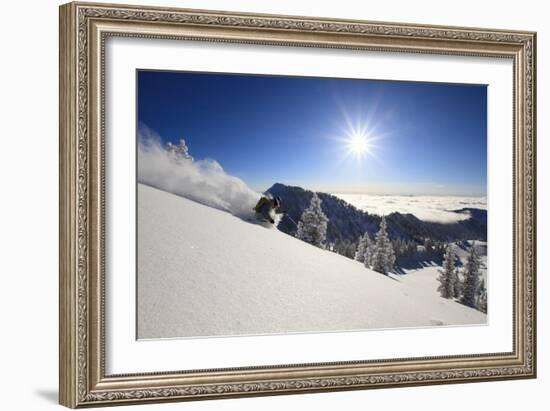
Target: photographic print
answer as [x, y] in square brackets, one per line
[279, 204]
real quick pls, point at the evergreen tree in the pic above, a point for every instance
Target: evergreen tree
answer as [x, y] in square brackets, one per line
[428, 246]
[439, 250]
[179, 150]
[471, 278]
[397, 248]
[448, 277]
[362, 248]
[459, 285]
[410, 250]
[350, 250]
[482, 297]
[312, 226]
[369, 254]
[383, 257]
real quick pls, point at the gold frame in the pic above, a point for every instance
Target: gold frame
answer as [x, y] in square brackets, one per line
[84, 28]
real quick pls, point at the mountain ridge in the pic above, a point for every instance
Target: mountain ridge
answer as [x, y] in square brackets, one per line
[348, 223]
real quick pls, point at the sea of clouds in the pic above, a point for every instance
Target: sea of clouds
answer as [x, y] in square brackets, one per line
[203, 181]
[437, 209]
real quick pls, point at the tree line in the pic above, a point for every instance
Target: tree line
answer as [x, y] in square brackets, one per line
[466, 285]
[381, 254]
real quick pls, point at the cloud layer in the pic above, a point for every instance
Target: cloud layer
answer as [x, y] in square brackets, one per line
[203, 181]
[427, 208]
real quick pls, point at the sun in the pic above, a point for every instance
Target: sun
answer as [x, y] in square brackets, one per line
[358, 141]
[358, 144]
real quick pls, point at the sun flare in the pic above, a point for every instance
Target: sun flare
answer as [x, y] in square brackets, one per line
[359, 140]
[358, 144]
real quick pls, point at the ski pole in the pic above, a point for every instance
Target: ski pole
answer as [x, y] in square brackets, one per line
[290, 218]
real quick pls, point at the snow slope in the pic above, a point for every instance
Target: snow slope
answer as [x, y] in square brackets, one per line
[205, 272]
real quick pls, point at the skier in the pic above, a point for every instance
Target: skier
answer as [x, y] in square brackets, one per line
[265, 208]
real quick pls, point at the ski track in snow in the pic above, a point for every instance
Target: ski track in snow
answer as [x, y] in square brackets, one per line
[205, 272]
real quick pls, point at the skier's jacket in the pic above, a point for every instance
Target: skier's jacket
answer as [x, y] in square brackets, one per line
[262, 202]
[265, 207]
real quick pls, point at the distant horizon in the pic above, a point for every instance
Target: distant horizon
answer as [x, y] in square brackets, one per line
[331, 135]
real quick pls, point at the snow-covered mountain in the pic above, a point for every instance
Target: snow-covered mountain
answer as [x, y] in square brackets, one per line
[347, 223]
[204, 272]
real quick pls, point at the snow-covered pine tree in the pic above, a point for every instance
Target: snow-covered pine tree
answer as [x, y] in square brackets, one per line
[383, 257]
[312, 226]
[369, 253]
[471, 278]
[411, 249]
[350, 251]
[399, 248]
[362, 248]
[482, 297]
[179, 150]
[448, 276]
[459, 285]
[428, 246]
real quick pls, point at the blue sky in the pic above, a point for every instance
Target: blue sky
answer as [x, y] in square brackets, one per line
[414, 138]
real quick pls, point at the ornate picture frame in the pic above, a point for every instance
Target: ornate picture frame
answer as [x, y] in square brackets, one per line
[84, 29]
